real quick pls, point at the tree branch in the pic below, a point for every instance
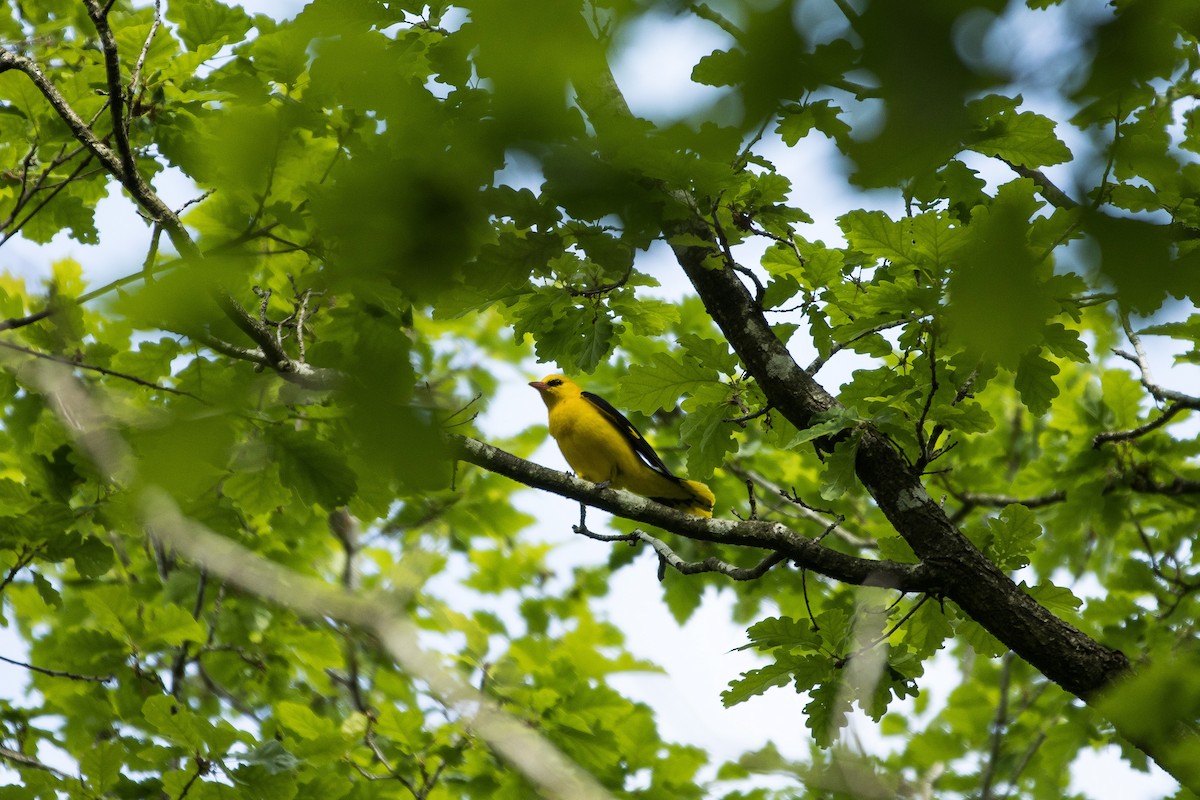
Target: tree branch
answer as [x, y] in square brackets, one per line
[1054, 195]
[1060, 651]
[55, 673]
[116, 91]
[837, 347]
[93, 368]
[771, 536]
[22, 760]
[669, 557]
[1141, 430]
[1159, 392]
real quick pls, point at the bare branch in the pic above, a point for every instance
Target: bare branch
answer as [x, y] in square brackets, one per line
[1159, 393]
[712, 564]
[272, 354]
[54, 673]
[1054, 195]
[822, 518]
[705, 12]
[135, 77]
[20, 759]
[116, 91]
[93, 368]
[1141, 430]
[770, 536]
[1001, 500]
[820, 361]
[79, 129]
[751, 416]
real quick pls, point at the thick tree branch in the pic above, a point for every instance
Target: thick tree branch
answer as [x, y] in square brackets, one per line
[1060, 651]
[770, 536]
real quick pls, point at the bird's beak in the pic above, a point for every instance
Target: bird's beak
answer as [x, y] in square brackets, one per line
[539, 385]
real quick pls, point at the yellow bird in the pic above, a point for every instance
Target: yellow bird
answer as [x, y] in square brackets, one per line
[603, 447]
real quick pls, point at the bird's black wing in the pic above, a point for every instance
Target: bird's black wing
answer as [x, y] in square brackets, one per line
[630, 432]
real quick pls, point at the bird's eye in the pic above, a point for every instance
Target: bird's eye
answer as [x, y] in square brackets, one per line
[555, 382]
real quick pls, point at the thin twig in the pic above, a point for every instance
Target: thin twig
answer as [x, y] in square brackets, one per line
[925, 446]
[116, 91]
[999, 722]
[135, 77]
[24, 559]
[23, 760]
[54, 673]
[820, 361]
[705, 12]
[604, 288]
[1141, 430]
[54, 190]
[711, 564]
[1000, 500]
[1054, 195]
[1160, 393]
[93, 368]
[751, 416]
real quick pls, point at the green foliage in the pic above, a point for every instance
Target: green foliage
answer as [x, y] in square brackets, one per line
[402, 199]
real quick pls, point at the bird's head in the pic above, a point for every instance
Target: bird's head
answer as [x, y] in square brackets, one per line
[555, 388]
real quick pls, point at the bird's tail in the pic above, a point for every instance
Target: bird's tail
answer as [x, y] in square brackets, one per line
[699, 502]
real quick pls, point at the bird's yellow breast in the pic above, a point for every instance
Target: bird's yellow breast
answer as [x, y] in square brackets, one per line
[595, 449]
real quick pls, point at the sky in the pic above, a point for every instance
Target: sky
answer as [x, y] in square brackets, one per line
[699, 658]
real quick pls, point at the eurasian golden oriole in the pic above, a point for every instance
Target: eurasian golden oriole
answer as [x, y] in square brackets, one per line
[604, 447]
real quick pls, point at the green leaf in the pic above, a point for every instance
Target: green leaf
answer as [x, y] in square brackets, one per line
[175, 722]
[719, 68]
[93, 557]
[839, 474]
[1058, 600]
[1168, 687]
[50, 596]
[1013, 535]
[1000, 300]
[172, 625]
[709, 352]
[259, 783]
[682, 598]
[659, 385]
[784, 632]
[314, 468]
[826, 712]
[273, 757]
[1123, 395]
[1035, 382]
[709, 438]
[512, 568]
[202, 22]
[756, 682]
[826, 423]
[1065, 343]
[874, 233]
[102, 765]
[1024, 138]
